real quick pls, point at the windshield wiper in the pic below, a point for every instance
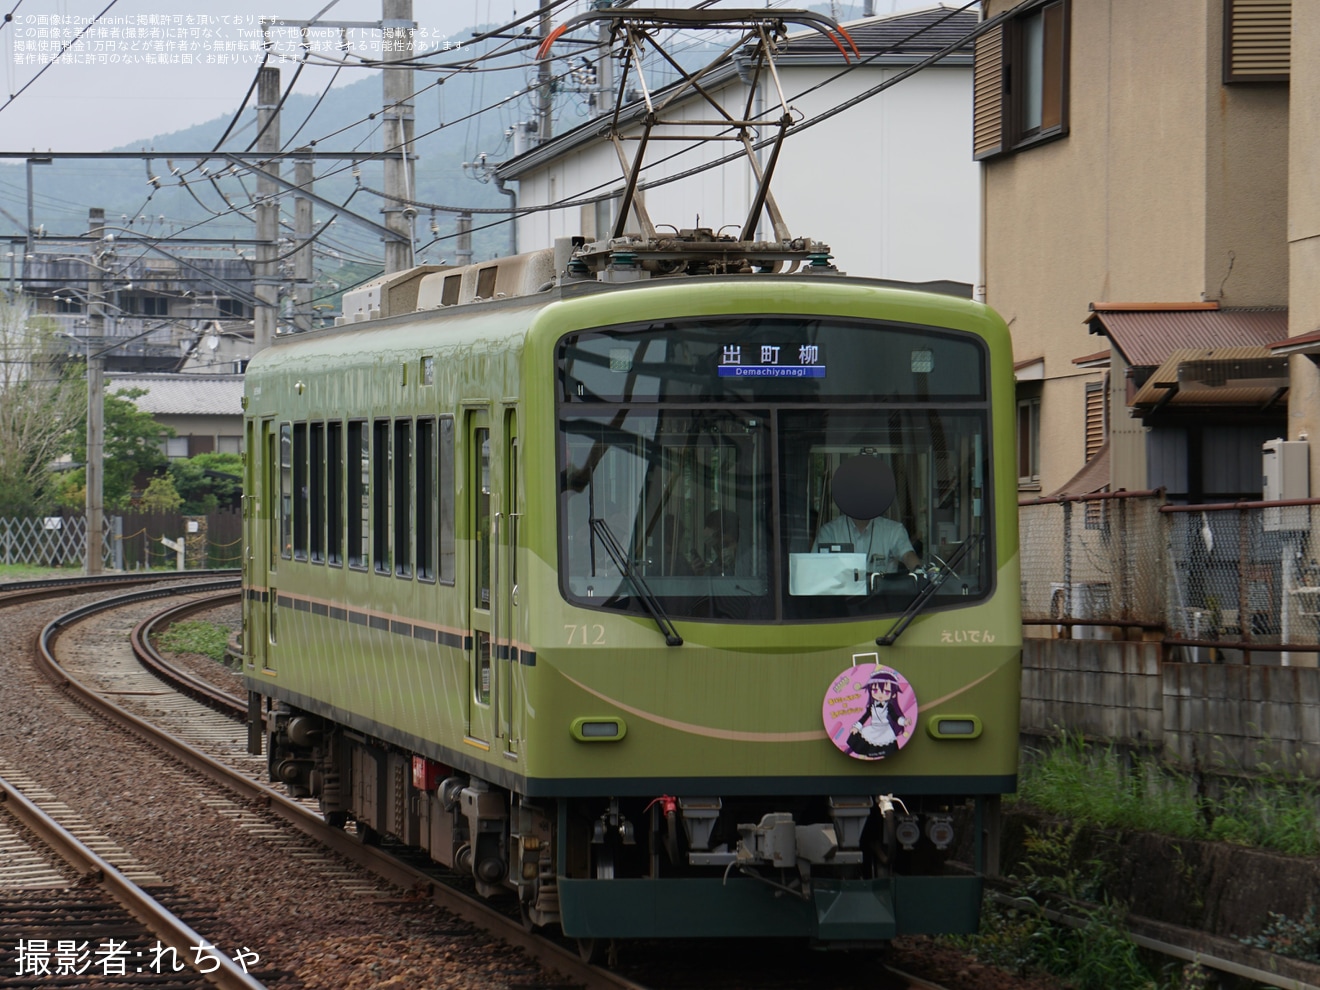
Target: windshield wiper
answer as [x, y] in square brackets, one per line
[927, 593]
[652, 604]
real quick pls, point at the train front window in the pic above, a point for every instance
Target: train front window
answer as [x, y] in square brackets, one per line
[677, 501]
[873, 506]
[773, 469]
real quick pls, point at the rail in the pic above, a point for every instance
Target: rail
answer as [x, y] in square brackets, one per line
[163, 923]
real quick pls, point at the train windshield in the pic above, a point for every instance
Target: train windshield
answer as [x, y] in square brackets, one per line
[768, 469]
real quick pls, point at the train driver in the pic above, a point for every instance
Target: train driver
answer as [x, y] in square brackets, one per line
[863, 488]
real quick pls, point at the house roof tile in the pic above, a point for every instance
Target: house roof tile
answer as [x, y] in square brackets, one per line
[183, 395]
[918, 32]
[1146, 334]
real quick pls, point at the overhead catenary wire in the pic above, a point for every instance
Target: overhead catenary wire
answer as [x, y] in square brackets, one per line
[63, 48]
[232, 210]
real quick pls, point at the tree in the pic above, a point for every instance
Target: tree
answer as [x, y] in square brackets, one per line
[161, 495]
[208, 481]
[131, 450]
[39, 403]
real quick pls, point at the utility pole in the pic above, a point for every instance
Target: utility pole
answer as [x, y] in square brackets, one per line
[604, 65]
[266, 283]
[30, 228]
[302, 232]
[397, 31]
[96, 335]
[544, 82]
[463, 248]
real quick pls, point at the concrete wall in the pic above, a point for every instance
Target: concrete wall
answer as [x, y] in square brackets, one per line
[1212, 714]
[1304, 223]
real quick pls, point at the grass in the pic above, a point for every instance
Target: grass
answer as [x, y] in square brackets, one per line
[34, 572]
[1269, 808]
[195, 636]
[1103, 787]
[1094, 955]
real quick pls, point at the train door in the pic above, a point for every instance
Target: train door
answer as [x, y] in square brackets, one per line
[256, 534]
[276, 457]
[481, 501]
[508, 624]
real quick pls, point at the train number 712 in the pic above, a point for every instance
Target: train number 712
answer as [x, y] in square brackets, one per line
[584, 635]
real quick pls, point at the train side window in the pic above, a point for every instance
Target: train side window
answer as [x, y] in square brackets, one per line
[270, 492]
[334, 494]
[403, 455]
[286, 491]
[316, 492]
[426, 501]
[299, 491]
[380, 496]
[448, 550]
[481, 520]
[358, 464]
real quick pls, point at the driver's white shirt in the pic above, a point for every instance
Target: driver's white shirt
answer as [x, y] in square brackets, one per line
[883, 540]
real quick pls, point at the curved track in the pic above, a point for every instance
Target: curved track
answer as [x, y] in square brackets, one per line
[238, 775]
[104, 683]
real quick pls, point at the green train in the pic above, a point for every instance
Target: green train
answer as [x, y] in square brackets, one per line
[670, 596]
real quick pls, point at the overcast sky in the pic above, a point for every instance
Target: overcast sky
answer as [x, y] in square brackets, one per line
[148, 67]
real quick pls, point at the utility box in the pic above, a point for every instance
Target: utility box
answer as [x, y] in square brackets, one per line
[1286, 475]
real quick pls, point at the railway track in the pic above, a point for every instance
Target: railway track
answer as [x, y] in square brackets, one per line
[71, 912]
[217, 732]
[112, 684]
[117, 687]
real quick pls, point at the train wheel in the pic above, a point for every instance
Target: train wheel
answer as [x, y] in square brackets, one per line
[525, 915]
[591, 950]
[599, 952]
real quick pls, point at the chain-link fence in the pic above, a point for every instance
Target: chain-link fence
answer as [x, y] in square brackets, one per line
[1243, 578]
[1220, 582]
[1086, 560]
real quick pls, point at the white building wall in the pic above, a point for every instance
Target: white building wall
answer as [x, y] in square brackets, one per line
[889, 184]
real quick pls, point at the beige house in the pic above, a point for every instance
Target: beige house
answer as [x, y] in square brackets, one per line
[1151, 233]
[205, 411]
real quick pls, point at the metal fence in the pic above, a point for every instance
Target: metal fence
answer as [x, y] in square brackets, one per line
[48, 541]
[1093, 558]
[1227, 582]
[132, 541]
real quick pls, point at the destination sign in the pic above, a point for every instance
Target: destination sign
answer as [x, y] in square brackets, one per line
[772, 361]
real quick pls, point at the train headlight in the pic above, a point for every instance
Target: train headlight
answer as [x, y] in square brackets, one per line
[954, 727]
[598, 729]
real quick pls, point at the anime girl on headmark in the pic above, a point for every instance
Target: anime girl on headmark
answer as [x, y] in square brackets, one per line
[878, 732]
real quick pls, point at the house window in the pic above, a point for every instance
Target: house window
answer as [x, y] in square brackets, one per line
[176, 447]
[1020, 81]
[1096, 416]
[231, 309]
[1028, 441]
